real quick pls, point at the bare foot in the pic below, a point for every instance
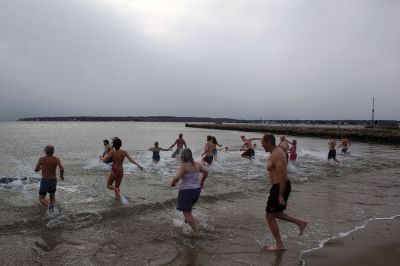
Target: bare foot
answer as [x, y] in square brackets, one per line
[117, 193]
[302, 227]
[274, 247]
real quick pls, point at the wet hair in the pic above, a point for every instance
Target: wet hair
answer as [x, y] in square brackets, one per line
[187, 156]
[116, 143]
[209, 138]
[156, 143]
[269, 138]
[180, 135]
[294, 142]
[49, 150]
[214, 140]
[106, 142]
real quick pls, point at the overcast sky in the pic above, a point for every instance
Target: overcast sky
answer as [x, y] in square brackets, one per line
[270, 59]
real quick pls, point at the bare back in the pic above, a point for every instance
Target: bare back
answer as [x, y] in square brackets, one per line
[277, 166]
[118, 157]
[209, 148]
[332, 144]
[248, 144]
[48, 166]
[180, 143]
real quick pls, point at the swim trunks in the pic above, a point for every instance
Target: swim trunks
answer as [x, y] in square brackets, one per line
[293, 156]
[176, 152]
[344, 149]
[332, 154]
[47, 185]
[248, 153]
[109, 161]
[117, 172]
[273, 205]
[156, 156]
[208, 159]
[187, 198]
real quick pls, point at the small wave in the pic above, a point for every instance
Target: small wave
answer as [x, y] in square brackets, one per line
[74, 221]
[322, 243]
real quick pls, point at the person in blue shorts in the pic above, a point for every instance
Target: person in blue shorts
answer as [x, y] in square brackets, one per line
[190, 186]
[209, 148]
[48, 184]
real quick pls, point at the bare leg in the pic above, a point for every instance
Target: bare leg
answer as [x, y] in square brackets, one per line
[43, 200]
[273, 226]
[110, 181]
[118, 181]
[190, 220]
[53, 199]
[300, 223]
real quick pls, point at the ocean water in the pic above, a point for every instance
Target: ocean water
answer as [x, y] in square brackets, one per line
[91, 227]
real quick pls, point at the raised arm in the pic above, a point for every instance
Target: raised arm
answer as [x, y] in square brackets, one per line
[178, 176]
[133, 161]
[61, 169]
[38, 165]
[204, 171]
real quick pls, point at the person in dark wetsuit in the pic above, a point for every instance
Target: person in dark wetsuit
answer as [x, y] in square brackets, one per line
[117, 169]
[107, 149]
[156, 152]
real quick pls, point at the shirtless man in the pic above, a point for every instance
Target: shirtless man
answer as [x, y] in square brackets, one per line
[279, 193]
[284, 146]
[248, 147]
[345, 144]
[180, 143]
[48, 184]
[209, 149]
[107, 149]
[117, 169]
[332, 149]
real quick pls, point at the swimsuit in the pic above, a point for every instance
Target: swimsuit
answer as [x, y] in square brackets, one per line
[47, 185]
[119, 173]
[249, 153]
[109, 159]
[156, 156]
[293, 155]
[332, 154]
[209, 158]
[189, 191]
[273, 199]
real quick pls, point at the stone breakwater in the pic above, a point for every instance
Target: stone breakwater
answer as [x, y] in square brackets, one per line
[390, 136]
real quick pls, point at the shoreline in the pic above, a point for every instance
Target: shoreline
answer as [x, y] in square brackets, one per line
[377, 242]
[388, 136]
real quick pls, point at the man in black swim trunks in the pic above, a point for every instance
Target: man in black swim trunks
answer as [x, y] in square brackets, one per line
[332, 149]
[279, 193]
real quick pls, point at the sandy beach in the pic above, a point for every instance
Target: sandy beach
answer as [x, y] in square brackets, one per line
[376, 244]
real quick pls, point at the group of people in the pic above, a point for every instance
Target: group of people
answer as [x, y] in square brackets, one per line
[192, 174]
[332, 147]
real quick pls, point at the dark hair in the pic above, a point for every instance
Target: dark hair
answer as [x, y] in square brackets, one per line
[187, 156]
[49, 150]
[214, 140]
[209, 138]
[116, 143]
[106, 142]
[269, 138]
[180, 135]
[156, 143]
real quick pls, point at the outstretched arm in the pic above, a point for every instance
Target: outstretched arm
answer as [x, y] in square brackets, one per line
[178, 176]
[162, 149]
[133, 161]
[255, 139]
[173, 145]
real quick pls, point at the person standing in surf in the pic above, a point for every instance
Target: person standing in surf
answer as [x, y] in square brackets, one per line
[117, 169]
[208, 153]
[279, 192]
[48, 184]
[156, 152]
[107, 149]
[332, 149]
[180, 143]
[190, 186]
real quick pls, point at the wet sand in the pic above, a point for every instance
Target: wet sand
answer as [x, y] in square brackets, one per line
[377, 244]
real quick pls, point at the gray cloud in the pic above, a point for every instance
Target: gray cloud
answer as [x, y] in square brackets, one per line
[228, 58]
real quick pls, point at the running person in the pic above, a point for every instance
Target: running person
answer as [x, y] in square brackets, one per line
[190, 187]
[209, 149]
[248, 147]
[107, 149]
[180, 143]
[279, 193]
[48, 184]
[332, 149]
[117, 169]
[156, 152]
[345, 144]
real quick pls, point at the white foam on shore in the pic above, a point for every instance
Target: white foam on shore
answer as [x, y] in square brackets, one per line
[322, 243]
